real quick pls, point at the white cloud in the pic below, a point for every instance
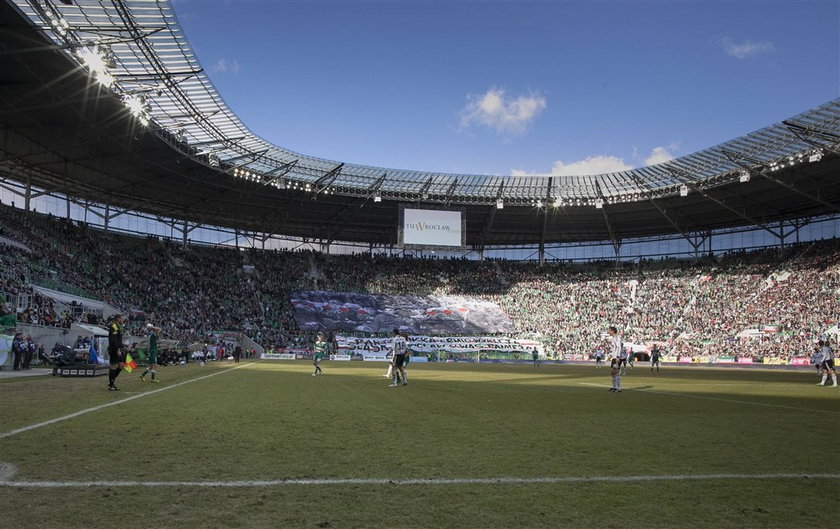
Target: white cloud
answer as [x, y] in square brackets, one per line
[661, 154]
[745, 48]
[601, 164]
[226, 66]
[591, 165]
[496, 110]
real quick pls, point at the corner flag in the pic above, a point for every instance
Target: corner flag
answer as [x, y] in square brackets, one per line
[130, 365]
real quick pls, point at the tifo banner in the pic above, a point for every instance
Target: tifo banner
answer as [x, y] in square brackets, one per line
[377, 348]
[348, 311]
[800, 361]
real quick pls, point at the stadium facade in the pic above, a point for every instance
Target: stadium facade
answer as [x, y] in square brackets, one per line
[109, 119]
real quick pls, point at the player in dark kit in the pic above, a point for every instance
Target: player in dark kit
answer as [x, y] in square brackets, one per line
[655, 356]
[116, 356]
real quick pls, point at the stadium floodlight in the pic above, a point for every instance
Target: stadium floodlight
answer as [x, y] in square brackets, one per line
[744, 176]
[539, 203]
[599, 203]
[91, 58]
[105, 79]
[683, 190]
[500, 204]
[558, 202]
[135, 104]
[377, 198]
[815, 156]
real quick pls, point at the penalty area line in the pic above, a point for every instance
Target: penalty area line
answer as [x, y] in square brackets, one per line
[734, 401]
[10, 433]
[411, 481]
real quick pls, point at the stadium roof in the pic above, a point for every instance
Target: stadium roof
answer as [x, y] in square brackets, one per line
[105, 100]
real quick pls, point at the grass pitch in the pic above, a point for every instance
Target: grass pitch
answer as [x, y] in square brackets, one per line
[217, 446]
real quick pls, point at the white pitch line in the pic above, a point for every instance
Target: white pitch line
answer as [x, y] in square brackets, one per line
[735, 401]
[410, 481]
[102, 406]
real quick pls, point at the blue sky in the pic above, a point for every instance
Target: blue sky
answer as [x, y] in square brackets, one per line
[514, 87]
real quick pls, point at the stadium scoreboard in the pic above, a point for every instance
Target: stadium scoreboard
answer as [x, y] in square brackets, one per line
[431, 228]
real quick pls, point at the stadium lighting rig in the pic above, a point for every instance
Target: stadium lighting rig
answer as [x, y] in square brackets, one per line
[744, 176]
[57, 22]
[683, 190]
[796, 159]
[99, 59]
[138, 106]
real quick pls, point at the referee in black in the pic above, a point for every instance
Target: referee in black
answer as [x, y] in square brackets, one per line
[116, 356]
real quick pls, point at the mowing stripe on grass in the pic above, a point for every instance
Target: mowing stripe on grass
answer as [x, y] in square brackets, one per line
[644, 390]
[102, 406]
[409, 481]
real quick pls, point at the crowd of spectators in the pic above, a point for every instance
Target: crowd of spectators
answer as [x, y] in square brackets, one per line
[688, 307]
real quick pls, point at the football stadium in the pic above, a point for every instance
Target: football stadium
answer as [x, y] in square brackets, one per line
[200, 328]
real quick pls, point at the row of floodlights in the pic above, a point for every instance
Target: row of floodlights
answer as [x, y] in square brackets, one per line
[560, 202]
[97, 58]
[100, 60]
[278, 183]
[251, 176]
[598, 203]
[58, 22]
[795, 159]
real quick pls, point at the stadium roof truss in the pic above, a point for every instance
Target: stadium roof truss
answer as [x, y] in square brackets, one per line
[139, 58]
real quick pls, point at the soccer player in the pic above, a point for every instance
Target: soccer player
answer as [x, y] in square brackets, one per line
[151, 354]
[622, 360]
[536, 356]
[390, 371]
[655, 355]
[116, 356]
[816, 359]
[615, 373]
[615, 341]
[827, 364]
[599, 356]
[398, 347]
[320, 351]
